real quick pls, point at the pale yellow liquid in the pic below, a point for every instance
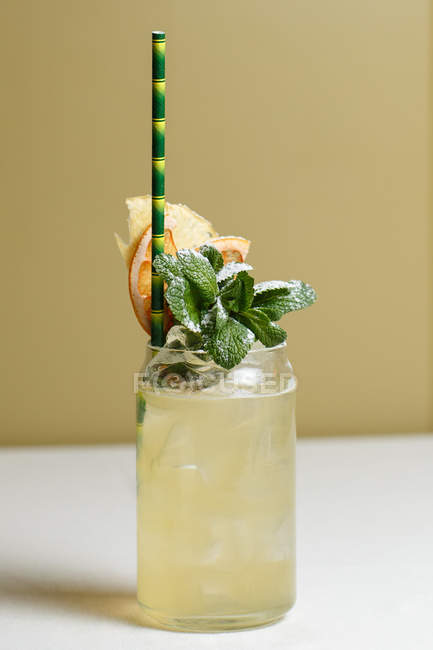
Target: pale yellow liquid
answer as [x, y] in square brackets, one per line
[216, 509]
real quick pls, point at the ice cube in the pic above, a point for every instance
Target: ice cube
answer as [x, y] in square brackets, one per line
[210, 553]
[192, 468]
[279, 545]
[182, 371]
[177, 450]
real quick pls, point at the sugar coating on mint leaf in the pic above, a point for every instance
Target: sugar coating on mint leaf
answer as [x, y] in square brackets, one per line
[167, 266]
[278, 298]
[183, 303]
[199, 271]
[220, 305]
[231, 269]
[229, 343]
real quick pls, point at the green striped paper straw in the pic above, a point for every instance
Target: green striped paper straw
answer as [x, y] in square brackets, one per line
[158, 182]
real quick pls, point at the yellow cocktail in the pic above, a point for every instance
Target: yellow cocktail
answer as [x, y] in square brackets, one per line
[216, 499]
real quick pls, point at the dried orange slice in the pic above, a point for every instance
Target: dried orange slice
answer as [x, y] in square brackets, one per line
[184, 229]
[140, 275]
[233, 249]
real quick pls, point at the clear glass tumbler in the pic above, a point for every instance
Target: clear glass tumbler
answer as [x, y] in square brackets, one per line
[216, 490]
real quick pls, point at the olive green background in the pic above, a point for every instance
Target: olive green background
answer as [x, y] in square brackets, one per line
[304, 126]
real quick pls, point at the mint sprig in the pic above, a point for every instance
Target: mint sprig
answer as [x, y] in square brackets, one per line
[223, 307]
[277, 298]
[263, 328]
[237, 293]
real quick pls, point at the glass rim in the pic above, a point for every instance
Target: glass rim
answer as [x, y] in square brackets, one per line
[156, 348]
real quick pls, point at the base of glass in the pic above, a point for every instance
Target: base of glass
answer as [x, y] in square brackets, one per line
[214, 623]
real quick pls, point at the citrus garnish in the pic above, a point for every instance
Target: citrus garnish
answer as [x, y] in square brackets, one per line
[188, 228]
[140, 276]
[184, 228]
[233, 249]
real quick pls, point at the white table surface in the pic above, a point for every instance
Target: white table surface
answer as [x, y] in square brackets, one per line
[365, 540]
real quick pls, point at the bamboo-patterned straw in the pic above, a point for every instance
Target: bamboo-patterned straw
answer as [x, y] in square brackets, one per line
[158, 182]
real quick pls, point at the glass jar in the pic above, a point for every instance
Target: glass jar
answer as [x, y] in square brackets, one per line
[216, 489]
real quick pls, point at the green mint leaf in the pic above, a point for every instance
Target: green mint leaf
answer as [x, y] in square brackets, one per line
[277, 298]
[237, 293]
[214, 318]
[276, 307]
[198, 270]
[258, 322]
[167, 266]
[184, 303]
[231, 269]
[229, 344]
[213, 255]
